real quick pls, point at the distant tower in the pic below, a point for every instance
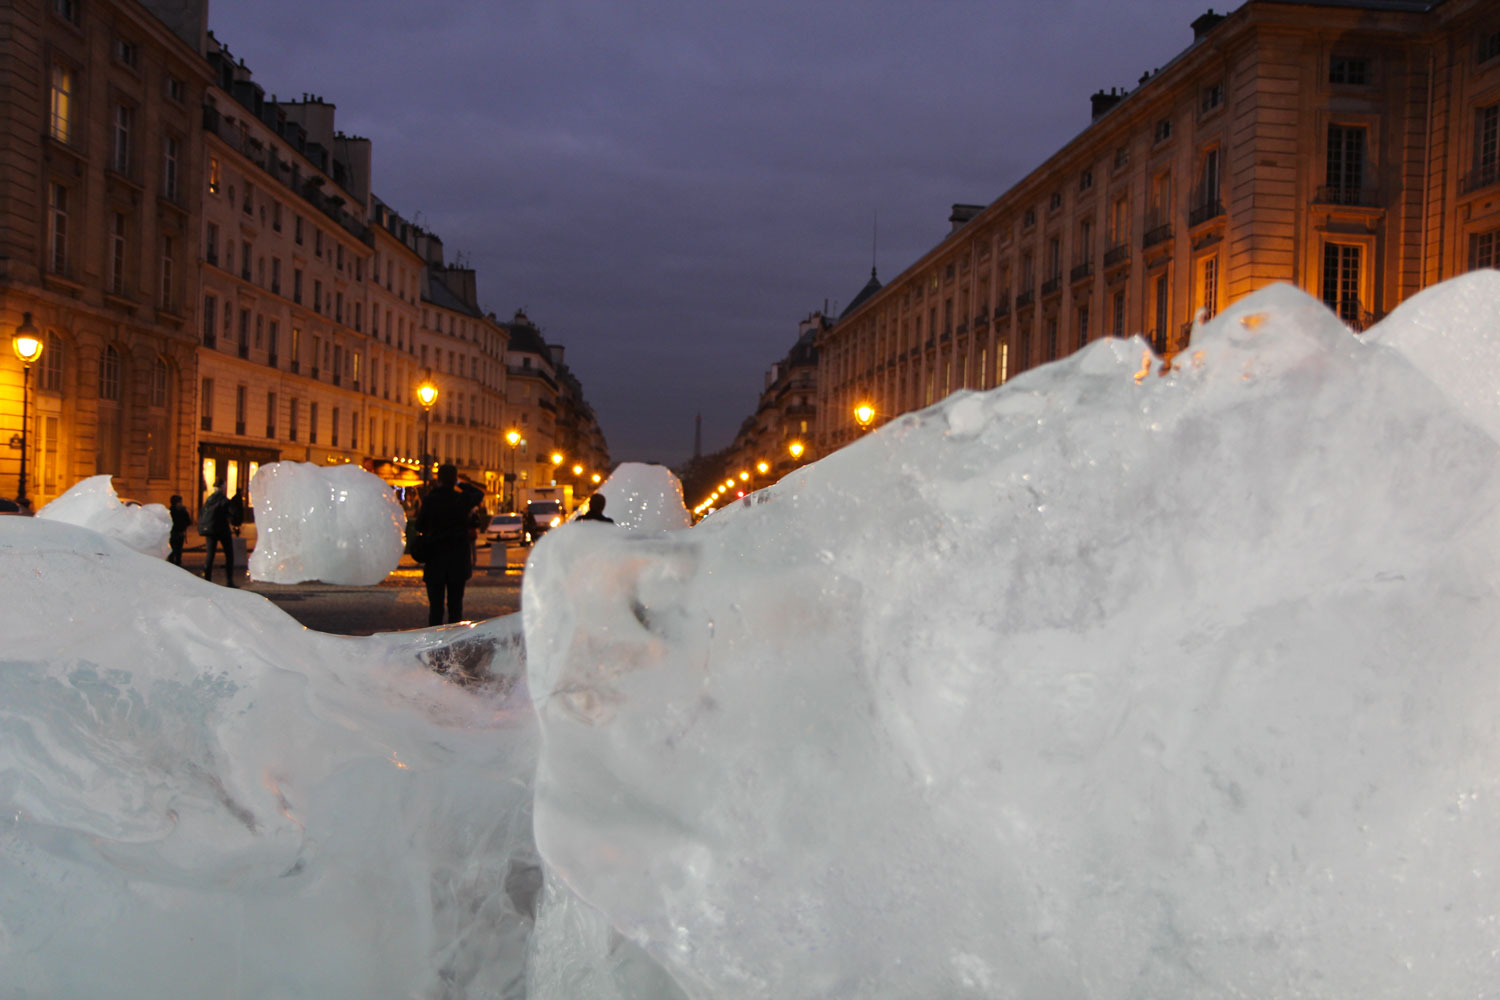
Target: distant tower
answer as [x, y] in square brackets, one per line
[698, 436]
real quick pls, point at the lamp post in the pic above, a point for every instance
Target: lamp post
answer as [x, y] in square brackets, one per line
[796, 449]
[427, 394]
[28, 347]
[513, 438]
[864, 415]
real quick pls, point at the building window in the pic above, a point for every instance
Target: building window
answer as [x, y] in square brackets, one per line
[109, 374]
[1163, 305]
[245, 261]
[52, 364]
[1346, 164]
[1029, 218]
[1483, 249]
[1163, 131]
[312, 423]
[1083, 325]
[66, 9]
[1086, 180]
[170, 151]
[273, 342]
[1488, 47]
[239, 410]
[297, 229]
[297, 285]
[276, 275]
[1055, 201]
[1117, 309]
[176, 90]
[159, 383]
[168, 275]
[1211, 98]
[213, 175]
[1341, 278]
[291, 418]
[206, 404]
[1208, 301]
[210, 310]
[57, 228]
[1486, 148]
[1122, 157]
[211, 244]
[1349, 70]
[271, 415]
[248, 205]
[126, 53]
[317, 296]
[244, 341]
[122, 123]
[63, 84]
[116, 273]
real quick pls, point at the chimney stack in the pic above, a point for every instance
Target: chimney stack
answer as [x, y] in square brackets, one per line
[1100, 102]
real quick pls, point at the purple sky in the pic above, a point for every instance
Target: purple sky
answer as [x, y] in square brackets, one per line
[667, 187]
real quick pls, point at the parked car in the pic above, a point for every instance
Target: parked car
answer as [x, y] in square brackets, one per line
[541, 515]
[506, 528]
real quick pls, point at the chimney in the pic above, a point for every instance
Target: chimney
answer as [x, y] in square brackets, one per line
[1206, 23]
[1100, 102]
[962, 214]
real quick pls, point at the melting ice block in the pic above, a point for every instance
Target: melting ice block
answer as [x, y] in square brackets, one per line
[201, 798]
[338, 524]
[93, 504]
[1104, 684]
[645, 497]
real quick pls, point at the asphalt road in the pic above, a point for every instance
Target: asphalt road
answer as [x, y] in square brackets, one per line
[397, 602]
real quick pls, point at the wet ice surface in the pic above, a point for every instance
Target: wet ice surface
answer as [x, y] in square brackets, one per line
[338, 524]
[642, 497]
[92, 503]
[1105, 684]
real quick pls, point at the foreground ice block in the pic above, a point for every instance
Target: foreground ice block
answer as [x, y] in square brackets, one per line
[338, 524]
[201, 798]
[1107, 684]
[92, 503]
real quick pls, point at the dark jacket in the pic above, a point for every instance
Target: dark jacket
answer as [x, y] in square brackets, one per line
[181, 521]
[213, 518]
[443, 520]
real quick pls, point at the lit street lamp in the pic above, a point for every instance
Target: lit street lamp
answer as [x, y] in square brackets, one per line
[28, 347]
[427, 394]
[796, 449]
[513, 438]
[864, 415]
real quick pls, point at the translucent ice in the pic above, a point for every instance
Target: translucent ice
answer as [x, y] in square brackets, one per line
[338, 524]
[645, 497]
[201, 798]
[93, 504]
[1106, 684]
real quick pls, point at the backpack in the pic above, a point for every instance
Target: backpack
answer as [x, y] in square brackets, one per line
[206, 513]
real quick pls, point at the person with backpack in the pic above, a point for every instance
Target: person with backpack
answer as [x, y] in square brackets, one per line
[181, 520]
[216, 527]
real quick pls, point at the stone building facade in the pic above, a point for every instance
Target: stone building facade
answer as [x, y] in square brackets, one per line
[1349, 148]
[100, 177]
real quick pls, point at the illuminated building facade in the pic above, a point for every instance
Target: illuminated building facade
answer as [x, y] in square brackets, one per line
[1349, 148]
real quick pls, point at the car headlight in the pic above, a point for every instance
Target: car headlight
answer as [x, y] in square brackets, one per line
[555, 521]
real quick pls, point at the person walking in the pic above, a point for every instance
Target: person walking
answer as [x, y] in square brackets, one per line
[181, 521]
[443, 526]
[596, 510]
[215, 526]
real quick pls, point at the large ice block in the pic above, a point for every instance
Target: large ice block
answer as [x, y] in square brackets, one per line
[92, 503]
[337, 524]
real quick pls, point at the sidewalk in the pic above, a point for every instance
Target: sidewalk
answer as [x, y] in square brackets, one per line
[408, 573]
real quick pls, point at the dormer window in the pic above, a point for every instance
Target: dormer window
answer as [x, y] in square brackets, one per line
[1352, 71]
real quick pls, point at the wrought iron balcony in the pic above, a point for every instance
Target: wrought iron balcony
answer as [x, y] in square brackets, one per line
[1358, 196]
[1116, 254]
[1052, 285]
[1482, 176]
[1026, 298]
[1156, 234]
[1081, 271]
[1204, 211]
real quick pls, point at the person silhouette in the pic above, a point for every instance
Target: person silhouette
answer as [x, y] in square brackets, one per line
[596, 510]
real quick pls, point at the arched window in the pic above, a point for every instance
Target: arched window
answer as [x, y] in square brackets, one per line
[159, 382]
[109, 374]
[52, 363]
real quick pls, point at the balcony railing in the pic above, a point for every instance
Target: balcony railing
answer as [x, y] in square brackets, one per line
[1026, 298]
[1156, 234]
[1363, 197]
[1002, 306]
[1081, 271]
[271, 360]
[981, 318]
[1204, 211]
[1116, 254]
[1482, 176]
[1052, 285]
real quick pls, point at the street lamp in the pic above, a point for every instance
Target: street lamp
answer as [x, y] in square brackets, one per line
[796, 449]
[513, 438]
[864, 414]
[577, 470]
[28, 347]
[763, 467]
[427, 394]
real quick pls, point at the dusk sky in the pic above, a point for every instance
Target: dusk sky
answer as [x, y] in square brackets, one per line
[668, 187]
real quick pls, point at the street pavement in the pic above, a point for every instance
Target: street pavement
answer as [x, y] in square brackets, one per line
[397, 602]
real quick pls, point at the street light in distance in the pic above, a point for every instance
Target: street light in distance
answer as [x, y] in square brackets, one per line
[864, 415]
[796, 449]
